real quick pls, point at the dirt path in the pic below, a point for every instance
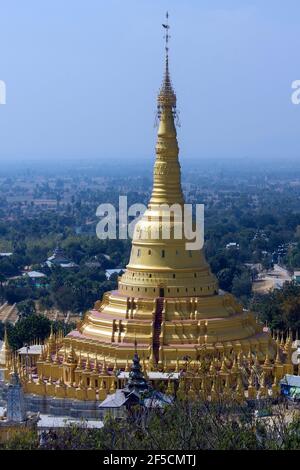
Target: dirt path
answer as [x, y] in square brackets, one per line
[272, 279]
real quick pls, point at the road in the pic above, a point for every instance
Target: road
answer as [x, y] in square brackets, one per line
[272, 279]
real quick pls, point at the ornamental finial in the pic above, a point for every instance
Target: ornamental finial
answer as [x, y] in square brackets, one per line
[166, 97]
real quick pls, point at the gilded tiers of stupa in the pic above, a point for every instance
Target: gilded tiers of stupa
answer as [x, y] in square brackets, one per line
[167, 303]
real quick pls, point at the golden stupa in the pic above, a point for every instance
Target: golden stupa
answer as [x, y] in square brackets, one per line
[167, 304]
[168, 300]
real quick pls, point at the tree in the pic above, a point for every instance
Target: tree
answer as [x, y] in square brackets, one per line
[280, 307]
[185, 425]
[28, 329]
[291, 312]
[64, 298]
[225, 277]
[7, 267]
[15, 292]
[242, 285]
[24, 439]
[26, 308]
[2, 280]
[46, 302]
[267, 262]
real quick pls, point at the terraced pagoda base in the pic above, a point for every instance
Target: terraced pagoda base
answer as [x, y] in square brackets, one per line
[168, 330]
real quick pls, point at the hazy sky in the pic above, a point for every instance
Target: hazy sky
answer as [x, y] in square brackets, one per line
[82, 78]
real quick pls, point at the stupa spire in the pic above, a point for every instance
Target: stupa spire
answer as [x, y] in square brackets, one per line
[161, 264]
[5, 349]
[166, 94]
[136, 379]
[167, 179]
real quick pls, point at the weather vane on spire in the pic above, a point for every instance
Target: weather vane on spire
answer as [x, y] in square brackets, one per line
[167, 35]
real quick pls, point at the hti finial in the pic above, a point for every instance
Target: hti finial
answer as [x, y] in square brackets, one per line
[167, 98]
[167, 35]
[167, 95]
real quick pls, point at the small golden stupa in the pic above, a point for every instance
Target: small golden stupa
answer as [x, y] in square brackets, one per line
[167, 302]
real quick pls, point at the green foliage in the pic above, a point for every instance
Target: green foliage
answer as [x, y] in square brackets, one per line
[74, 290]
[232, 274]
[2, 329]
[28, 329]
[78, 290]
[33, 327]
[8, 267]
[293, 257]
[183, 426]
[19, 290]
[280, 307]
[26, 308]
[24, 439]
[242, 285]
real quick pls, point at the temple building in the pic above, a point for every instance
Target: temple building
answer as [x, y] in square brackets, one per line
[137, 391]
[58, 258]
[168, 303]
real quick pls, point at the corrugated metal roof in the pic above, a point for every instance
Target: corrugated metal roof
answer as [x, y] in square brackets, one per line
[291, 380]
[153, 375]
[50, 421]
[35, 349]
[114, 401]
[34, 274]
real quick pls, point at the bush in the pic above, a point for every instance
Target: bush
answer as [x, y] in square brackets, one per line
[183, 426]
